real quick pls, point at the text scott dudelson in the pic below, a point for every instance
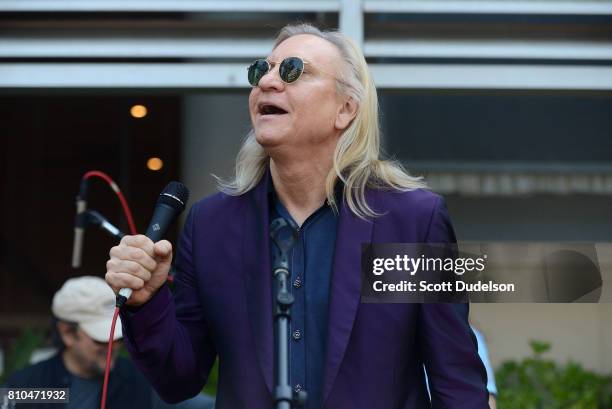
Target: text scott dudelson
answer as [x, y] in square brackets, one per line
[444, 286]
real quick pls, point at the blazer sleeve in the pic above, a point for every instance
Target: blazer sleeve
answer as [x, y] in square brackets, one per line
[457, 377]
[167, 337]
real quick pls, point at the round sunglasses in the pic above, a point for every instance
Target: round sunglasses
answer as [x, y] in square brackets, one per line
[289, 70]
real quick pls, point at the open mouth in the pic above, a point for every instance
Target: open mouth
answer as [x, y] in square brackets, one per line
[270, 109]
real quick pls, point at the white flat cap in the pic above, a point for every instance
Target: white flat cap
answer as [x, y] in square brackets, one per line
[90, 302]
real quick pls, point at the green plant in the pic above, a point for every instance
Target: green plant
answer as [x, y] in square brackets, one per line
[211, 384]
[538, 383]
[21, 350]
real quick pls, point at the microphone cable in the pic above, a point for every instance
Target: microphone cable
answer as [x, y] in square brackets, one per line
[115, 188]
[109, 353]
[132, 227]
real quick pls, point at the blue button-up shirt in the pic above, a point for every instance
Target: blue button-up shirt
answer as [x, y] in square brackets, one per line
[311, 268]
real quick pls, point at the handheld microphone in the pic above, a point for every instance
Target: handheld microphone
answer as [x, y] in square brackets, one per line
[170, 204]
[80, 222]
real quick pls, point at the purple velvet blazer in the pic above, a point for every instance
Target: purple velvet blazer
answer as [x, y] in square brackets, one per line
[222, 306]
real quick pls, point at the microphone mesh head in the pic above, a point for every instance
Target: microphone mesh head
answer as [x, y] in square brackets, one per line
[175, 194]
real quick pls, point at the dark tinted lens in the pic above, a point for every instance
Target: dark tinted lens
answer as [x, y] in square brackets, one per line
[257, 70]
[290, 69]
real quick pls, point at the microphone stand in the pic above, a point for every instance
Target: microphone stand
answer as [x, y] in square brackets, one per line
[283, 236]
[96, 219]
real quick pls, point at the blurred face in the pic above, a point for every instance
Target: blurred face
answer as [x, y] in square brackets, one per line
[84, 356]
[307, 112]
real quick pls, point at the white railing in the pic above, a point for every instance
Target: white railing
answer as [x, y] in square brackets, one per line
[477, 61]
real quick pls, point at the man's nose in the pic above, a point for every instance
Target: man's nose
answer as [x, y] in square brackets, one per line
[271, 80]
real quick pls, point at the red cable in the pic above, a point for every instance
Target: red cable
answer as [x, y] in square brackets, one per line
[109, 353]
[115, 187]
[132, 227]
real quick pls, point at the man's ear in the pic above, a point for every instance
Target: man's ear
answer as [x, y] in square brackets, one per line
[67, 332]
[346, 114]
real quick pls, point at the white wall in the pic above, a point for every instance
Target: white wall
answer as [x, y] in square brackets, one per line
[578, 332]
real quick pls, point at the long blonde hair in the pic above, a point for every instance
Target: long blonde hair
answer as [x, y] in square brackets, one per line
[356, 160]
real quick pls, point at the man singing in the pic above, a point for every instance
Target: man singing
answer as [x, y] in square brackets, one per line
[313, 158]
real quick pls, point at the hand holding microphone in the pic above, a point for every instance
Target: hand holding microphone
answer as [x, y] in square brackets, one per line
[139, 265]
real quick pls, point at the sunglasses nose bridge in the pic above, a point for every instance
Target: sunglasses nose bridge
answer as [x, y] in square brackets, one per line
[272, 74]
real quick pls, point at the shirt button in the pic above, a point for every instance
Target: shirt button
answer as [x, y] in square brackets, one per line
[297, 283]
[297, 387]
[297, 335]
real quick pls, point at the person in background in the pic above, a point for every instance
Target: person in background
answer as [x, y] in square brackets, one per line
[483, 352]
[83, 310]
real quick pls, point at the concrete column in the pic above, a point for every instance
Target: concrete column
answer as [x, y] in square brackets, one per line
[214, 126]
[351, 20]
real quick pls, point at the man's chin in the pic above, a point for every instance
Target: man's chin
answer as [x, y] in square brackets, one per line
[96, 373]
[101, 368]
[269, 140]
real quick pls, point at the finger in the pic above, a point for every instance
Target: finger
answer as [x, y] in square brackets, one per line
[121, 280]
[110, 278]
[129, 267]
[163, 249]
[124, 280]
[136, 254]
[140, 241]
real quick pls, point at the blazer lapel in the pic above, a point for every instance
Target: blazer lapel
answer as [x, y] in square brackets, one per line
[256, 251]
[345, 287]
